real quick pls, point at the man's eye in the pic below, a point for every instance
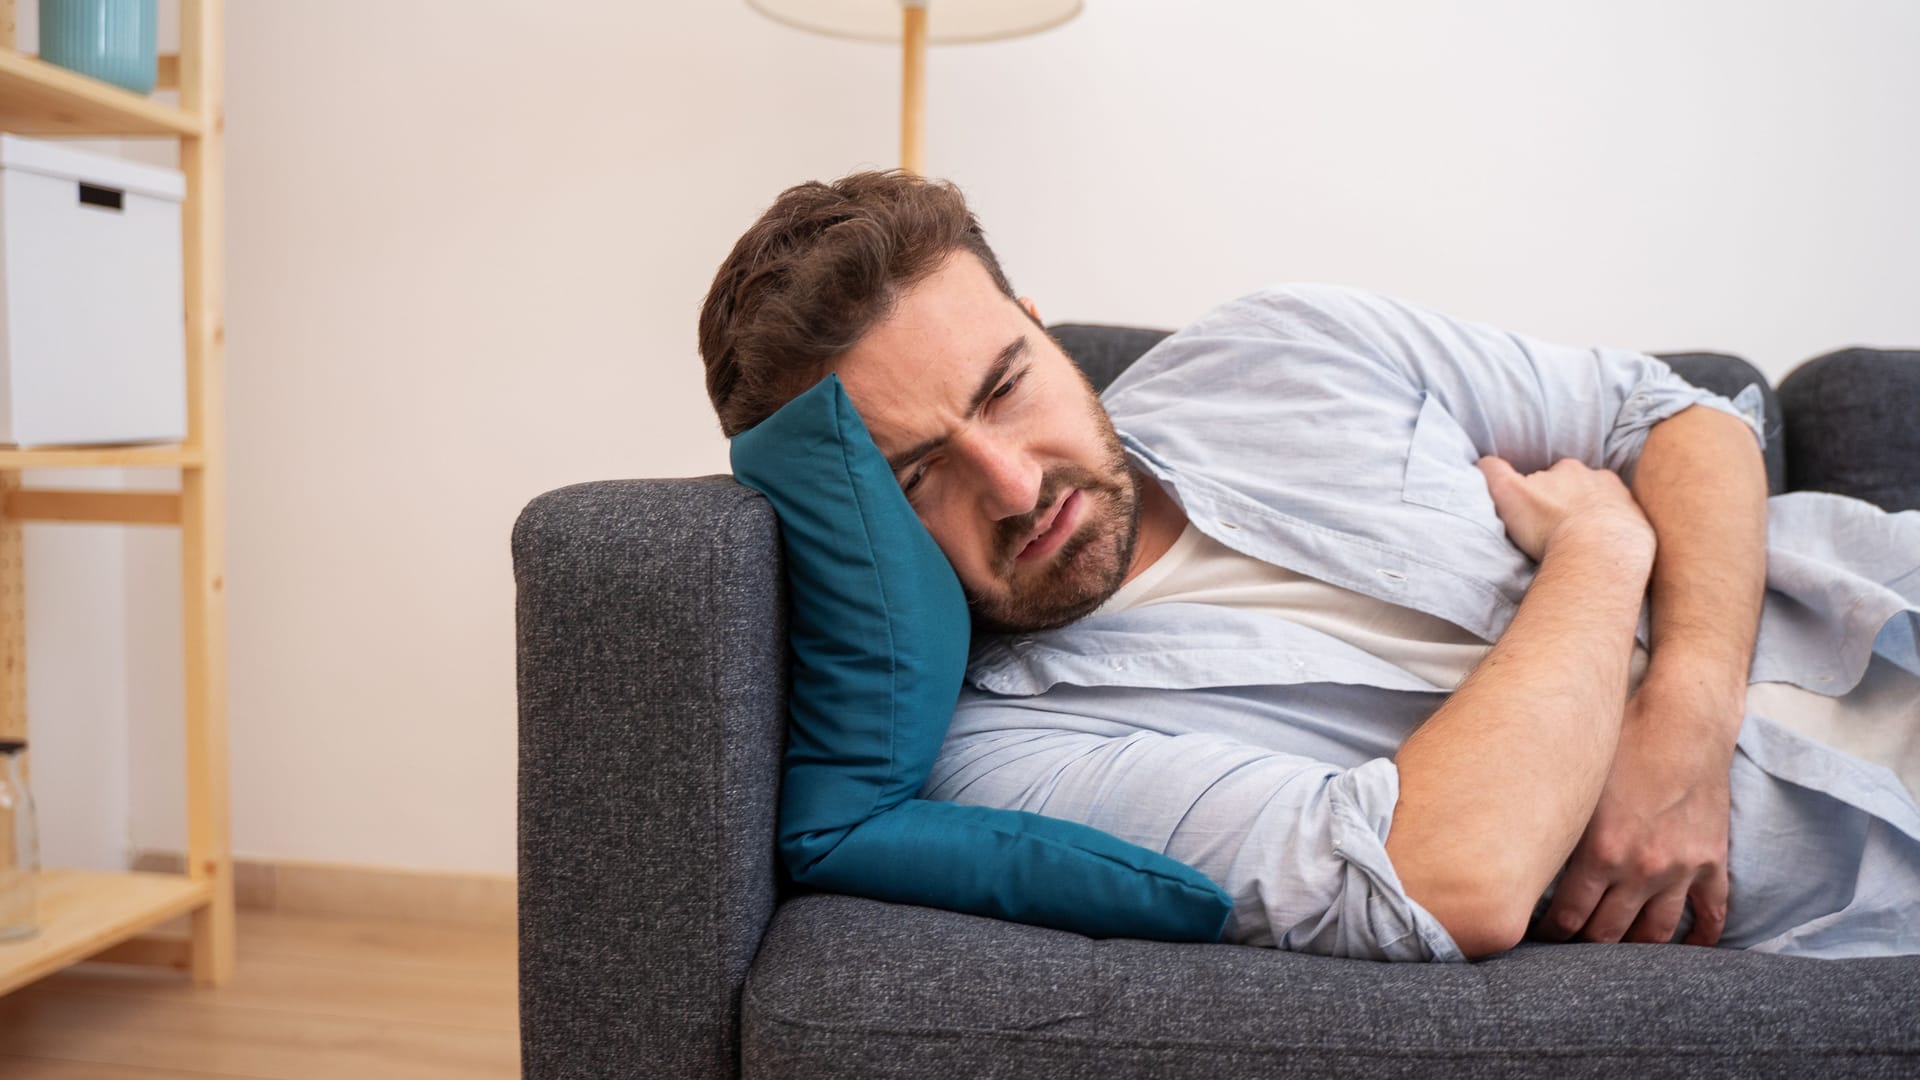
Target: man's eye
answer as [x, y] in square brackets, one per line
[1006, 387]
[913, 481]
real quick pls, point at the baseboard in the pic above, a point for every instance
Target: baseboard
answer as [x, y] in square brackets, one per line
[422, 896]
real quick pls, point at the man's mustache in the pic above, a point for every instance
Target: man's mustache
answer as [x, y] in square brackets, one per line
[1013, 532]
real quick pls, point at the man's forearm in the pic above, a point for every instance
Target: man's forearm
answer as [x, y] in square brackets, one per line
[1497, 785]
[1702, 483]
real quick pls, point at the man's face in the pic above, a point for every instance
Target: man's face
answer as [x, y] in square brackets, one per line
[1001, 446]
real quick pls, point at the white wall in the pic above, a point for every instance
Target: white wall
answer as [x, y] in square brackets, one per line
[468, 243]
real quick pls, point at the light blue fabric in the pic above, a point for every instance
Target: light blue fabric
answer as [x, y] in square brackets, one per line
[1334, 432]
[878, 627]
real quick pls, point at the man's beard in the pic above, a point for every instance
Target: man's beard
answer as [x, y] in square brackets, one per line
[1083, 571]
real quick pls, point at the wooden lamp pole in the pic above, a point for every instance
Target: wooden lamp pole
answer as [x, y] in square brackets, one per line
[960, 21]
[913, 86]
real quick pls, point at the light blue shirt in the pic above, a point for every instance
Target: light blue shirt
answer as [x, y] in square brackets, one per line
[1334, 432]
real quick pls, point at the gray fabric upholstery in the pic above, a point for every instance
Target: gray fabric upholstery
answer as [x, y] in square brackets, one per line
[658, 936]
[846, 986]
[652, 684]
[1853, 425]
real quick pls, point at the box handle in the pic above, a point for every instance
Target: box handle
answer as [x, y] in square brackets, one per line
[92, 195]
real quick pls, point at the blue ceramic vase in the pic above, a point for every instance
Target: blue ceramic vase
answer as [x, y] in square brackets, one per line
[111, 40]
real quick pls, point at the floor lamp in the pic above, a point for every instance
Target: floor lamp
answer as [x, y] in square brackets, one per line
[914, 23]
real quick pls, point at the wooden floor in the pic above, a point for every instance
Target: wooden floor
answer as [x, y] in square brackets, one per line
[312, 997]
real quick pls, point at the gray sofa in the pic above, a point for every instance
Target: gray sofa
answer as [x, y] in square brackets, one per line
[660, 937]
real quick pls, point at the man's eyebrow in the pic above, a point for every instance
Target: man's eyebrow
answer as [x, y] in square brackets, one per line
[1002, 363]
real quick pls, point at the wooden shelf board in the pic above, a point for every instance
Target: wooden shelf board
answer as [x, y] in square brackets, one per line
[85, 911]
[38, 98]
[58, 457]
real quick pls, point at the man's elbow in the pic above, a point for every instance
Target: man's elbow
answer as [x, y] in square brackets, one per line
[1480, 925]
[1485, 910]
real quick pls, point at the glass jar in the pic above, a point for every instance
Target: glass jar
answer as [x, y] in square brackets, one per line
[19, 848]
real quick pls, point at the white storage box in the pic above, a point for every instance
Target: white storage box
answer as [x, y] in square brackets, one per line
[92, 320]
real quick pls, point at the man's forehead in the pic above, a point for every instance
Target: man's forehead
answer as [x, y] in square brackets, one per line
[918, 370]
[911, 399]
[914, 369]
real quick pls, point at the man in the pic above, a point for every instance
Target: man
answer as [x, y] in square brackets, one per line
[1345, 603]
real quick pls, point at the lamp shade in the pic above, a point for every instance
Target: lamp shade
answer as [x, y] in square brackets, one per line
[948, 21]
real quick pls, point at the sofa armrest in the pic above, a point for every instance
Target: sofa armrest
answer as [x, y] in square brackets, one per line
[652, 652]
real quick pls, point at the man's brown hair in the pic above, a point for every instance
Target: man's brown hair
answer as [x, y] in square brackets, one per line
[823, 265]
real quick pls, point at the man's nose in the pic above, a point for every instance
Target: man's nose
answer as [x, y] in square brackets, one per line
[1009, 476]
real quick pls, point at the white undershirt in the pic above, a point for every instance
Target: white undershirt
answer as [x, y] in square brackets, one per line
[1878, 720]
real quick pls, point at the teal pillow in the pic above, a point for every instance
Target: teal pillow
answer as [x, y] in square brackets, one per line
[879, 630]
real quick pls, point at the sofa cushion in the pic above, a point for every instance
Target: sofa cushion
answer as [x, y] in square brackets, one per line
[879, 632]
[1851, 427]
[845, 987]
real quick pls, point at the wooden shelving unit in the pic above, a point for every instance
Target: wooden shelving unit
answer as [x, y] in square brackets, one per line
[107, 916]
[37, 98]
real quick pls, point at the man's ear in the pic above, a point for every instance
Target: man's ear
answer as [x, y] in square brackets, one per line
[1027, 302]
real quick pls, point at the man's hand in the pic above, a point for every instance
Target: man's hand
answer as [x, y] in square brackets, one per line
[1540, 507]
[1659, 833]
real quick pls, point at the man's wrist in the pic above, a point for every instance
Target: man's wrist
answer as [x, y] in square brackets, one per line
[1675, 665]
[1627, 543]
[1698, 700]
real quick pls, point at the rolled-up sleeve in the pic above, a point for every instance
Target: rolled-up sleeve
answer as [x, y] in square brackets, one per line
[1662, 394]
[1299, 845]
[1529, 401]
